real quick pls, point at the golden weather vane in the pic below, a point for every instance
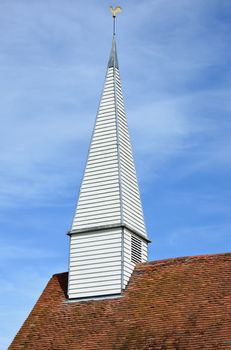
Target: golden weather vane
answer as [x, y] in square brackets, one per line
[114, 12]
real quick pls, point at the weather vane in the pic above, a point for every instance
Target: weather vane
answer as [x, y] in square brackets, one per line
[114, 12]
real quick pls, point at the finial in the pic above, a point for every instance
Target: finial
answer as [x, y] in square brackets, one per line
[114, 12]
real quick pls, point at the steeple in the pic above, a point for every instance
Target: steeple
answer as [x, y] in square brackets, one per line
[113, 60]
[108, 235]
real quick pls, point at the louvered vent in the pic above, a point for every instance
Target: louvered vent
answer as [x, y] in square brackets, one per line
[136, 249]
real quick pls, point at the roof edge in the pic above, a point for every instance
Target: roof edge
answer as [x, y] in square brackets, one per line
[171, 261]
[182, 259]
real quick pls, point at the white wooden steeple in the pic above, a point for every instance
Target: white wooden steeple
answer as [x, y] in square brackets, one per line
[108, 235]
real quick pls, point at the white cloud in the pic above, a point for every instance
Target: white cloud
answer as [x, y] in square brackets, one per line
[25, 251]
[193, 240]
[186, 127]
[189, 235]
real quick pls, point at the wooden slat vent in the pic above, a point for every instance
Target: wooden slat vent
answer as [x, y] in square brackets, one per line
[136, 249]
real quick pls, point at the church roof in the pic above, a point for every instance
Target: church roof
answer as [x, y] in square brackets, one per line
[181, 303]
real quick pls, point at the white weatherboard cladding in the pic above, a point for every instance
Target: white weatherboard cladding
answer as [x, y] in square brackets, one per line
[95, 264]
[109, 209]
[100, 262]
[131, 204]
[109, 192]
[99, 199]
[128, 266]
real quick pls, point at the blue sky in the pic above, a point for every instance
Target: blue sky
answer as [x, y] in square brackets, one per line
[175, 67]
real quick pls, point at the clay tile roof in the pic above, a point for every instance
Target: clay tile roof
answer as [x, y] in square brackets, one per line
[181, 304]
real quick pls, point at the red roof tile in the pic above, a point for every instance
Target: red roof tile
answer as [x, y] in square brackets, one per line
[182, 303]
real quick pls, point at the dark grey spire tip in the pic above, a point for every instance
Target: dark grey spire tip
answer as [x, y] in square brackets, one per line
[113, 60]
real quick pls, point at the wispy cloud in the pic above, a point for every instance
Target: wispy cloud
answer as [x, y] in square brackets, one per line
[25, 251]
[193, 240]
[186, 236]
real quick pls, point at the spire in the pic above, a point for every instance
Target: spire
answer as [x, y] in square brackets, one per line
[113, 60]
[109, 192]
[109, 222]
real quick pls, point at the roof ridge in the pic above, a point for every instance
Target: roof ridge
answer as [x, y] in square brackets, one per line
[170, 261]
[181, 259]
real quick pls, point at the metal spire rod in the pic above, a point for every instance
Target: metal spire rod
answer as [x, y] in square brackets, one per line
[114, 25]
[114, 12]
